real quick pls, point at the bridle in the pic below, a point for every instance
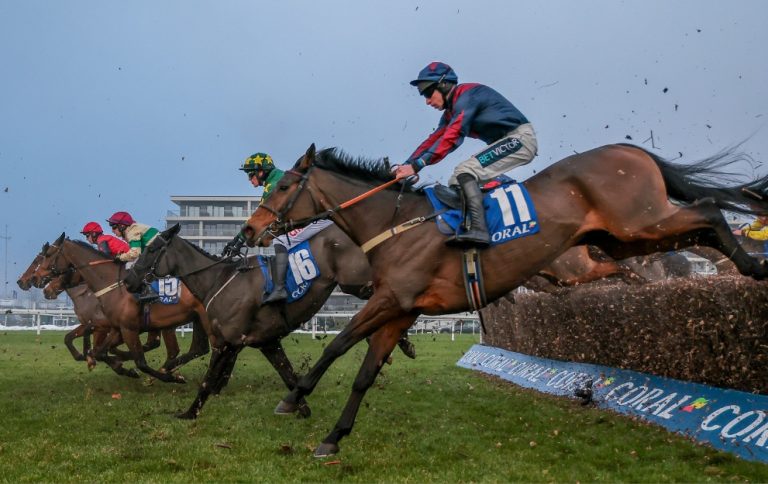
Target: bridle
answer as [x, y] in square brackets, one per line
[151, 273]
[278, 225]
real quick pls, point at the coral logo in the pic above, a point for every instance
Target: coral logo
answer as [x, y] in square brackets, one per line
[605, 383]
[695, 405]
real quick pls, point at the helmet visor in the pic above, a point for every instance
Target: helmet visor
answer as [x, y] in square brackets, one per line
[426, 88]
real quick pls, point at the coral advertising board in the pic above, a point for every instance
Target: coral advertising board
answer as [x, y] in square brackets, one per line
[729, 420]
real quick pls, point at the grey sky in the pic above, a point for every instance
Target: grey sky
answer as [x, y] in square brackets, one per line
[112, 105]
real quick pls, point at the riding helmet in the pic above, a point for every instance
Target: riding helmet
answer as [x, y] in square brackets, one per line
[434, 73]
[92, 227]
[258, 161]
[121, 218]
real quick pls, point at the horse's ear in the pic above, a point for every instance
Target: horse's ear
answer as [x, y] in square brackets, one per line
[309, 158]
[60, 239]
[45, 248]
[174, 229]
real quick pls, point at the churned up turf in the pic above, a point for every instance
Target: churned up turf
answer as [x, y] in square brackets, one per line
[424, 421]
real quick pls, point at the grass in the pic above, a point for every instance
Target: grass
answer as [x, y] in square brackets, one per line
[424, 421]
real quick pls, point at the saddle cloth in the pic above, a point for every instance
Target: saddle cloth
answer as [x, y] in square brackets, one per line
[168, 288]
[302, 270]
[509, 211]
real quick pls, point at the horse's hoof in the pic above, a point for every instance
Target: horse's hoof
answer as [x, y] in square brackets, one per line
[326, 450]
[180, 379]
[304, 411]
[285, 408]
[132, 373]
[188, 415]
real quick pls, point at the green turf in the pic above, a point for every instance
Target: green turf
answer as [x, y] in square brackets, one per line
[424, 421]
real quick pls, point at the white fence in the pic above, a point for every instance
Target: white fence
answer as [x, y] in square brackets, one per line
[324, 322]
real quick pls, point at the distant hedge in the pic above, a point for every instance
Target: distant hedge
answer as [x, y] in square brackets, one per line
[711, 330]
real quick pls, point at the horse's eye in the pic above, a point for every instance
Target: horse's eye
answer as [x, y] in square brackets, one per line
[283, 188]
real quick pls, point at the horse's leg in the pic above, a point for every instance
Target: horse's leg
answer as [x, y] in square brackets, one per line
[701, 223]
[103, 341]
[71, 336]
[153, 340]
[276, 356]
[171, 344]
[219, 370]
[379, 310]
[199, 347]
[382, 344]
[133, 342]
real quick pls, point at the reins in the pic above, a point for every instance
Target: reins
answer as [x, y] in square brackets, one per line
[279, 225]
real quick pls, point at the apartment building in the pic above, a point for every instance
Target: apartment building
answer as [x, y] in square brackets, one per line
[211, 221]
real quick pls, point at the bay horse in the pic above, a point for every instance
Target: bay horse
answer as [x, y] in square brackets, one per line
[581, 265]
[91, 316]
[104, 278]
[616, 197]
[233, 299]
[93, 321]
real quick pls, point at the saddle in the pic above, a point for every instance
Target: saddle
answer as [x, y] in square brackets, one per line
[450, 196]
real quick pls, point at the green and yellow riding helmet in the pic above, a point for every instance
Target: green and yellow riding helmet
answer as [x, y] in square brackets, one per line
[256, 162]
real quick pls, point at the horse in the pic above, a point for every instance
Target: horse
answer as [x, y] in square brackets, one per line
[616, 197]
[94, 321]
[122, 309]
[581, 265]
[232, 291]
[91, 316]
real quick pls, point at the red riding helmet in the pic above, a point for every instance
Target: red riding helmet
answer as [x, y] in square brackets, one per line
[92, 227]
[121, 218]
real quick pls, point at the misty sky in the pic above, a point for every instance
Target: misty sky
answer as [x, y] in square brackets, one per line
[113, 105]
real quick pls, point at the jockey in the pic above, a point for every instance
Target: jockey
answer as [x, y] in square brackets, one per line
[138, 236]
[757, 230]
[261, 171]
[108, 244]
[476, 111]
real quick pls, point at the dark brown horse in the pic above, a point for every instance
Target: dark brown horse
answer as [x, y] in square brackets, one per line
[615, 197]
[123, 311]
[233, 299]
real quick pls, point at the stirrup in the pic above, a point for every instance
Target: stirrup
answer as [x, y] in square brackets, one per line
[276, 296]
[473, 238]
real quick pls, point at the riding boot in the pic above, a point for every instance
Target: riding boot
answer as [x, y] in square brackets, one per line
[477, 232]
[148, 295]
[279, 270]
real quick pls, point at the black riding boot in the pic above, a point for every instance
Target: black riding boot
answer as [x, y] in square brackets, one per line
[279, 270]
[477, 232]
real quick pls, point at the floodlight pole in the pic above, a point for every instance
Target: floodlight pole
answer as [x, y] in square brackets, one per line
[5, 274]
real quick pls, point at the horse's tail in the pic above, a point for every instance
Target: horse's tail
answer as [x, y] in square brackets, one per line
[714, 178]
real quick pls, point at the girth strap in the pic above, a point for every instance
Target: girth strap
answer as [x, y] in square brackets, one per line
[399, 229]
[111, 287]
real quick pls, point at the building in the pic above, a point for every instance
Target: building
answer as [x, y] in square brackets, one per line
[211, 221]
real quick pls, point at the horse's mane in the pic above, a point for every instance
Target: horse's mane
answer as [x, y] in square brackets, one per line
[359, 168]
[92, 249]
[200, 249]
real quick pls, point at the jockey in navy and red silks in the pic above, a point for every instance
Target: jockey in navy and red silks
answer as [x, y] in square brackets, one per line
[476, 111]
